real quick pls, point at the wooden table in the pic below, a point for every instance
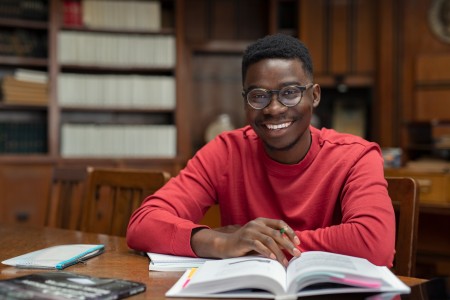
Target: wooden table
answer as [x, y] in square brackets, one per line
[118, 261]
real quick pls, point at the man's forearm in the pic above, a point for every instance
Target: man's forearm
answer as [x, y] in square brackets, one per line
[207, 243]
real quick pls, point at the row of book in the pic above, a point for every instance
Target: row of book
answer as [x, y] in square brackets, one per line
[21, 42]
[94, 48]
[107, 14]
[23, 137]
[24, 9]
[131, 91]
[104, 140]
[25, 87]
[133, 15]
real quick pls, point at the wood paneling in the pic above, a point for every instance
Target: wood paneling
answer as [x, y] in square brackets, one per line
[341, 35]
[24, 192]
[386, 90]
[365, 38]
[313, 32]
[218, 20]
[223, 15]
[340, 39]
[432, 104]
[217, 87]
[433, 69]
[195, 23]
[424, 59]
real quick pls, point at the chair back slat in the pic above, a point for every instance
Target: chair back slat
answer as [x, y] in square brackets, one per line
[113, 194]
[64, 208]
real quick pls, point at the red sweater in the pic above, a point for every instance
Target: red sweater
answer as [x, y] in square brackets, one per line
[335, 198]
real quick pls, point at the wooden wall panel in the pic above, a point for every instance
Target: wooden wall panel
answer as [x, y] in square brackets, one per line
[424, 60]
[365, 37]
[24, 192]
[386, 131]
[312, 15]
[196, 23]
[252, 23]
[432, 105]
[224, 20]
[340, 36]
[433, 69]
[217, 87]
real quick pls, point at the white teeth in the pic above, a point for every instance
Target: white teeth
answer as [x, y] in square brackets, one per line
[278, 126]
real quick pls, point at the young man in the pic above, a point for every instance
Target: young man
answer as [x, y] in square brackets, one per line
[283, 186]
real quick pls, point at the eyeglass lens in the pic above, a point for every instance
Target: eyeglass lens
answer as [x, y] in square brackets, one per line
[288, 96]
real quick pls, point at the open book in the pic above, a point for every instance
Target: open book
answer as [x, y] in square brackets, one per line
[314, 273]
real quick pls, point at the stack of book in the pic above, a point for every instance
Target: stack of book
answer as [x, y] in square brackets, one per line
[25, 87]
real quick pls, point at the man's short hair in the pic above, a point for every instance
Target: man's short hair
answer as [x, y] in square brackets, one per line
[277, 46]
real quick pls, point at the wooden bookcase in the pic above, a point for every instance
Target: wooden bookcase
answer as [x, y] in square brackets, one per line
[33, 169]
[56, 115]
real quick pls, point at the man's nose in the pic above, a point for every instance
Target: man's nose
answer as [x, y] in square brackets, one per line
[274, 105]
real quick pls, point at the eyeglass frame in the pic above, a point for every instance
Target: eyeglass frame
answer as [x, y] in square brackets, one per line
[302, 88]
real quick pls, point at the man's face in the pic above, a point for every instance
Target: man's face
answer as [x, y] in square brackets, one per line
[283, 130]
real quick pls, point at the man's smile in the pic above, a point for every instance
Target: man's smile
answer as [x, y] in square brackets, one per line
[278, 126]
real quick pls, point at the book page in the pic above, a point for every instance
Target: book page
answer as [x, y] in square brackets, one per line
[315, 267]
[252, 272]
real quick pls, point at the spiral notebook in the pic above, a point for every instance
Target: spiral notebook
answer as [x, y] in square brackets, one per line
[56, 257]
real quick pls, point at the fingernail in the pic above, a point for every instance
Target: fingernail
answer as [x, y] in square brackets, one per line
[272, 256]
[296, 240]
[296, 252]
[285, 262]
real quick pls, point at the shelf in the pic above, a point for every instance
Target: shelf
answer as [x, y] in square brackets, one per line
[96, 69]
[21, 23]
[25, 107]
[116, 109]
[163, 31]
[360, 80]
[15, 61]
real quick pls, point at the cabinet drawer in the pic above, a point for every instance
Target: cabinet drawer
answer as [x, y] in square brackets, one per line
[433, 187]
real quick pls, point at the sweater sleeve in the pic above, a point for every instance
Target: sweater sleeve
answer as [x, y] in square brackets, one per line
[165, 220]
[367, 228]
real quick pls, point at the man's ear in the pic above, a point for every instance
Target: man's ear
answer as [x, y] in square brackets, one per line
[316, 95]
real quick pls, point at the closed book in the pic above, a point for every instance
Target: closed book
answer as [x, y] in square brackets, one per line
[65, 285]
[56, 257]
[166, 262]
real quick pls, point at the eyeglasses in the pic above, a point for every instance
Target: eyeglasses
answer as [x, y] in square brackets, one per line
[289, 96]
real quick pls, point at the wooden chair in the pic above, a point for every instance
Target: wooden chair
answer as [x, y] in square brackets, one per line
[113, 194]
[405, 198]
[212, 217]
[64, 208]
[404, 193]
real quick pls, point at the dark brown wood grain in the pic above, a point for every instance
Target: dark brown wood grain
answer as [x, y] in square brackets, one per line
[118, 261]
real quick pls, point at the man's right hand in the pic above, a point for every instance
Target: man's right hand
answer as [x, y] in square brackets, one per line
[267, 237]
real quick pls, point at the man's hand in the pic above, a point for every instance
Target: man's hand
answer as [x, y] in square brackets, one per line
[267, 237]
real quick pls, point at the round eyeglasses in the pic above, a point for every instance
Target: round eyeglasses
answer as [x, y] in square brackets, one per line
[289, 96]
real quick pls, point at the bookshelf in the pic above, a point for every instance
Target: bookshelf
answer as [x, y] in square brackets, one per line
[113, 89]
[23, 44]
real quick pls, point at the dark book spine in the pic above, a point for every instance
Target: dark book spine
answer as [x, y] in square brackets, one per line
[24, 9]
[18, 138]
[20, 42]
